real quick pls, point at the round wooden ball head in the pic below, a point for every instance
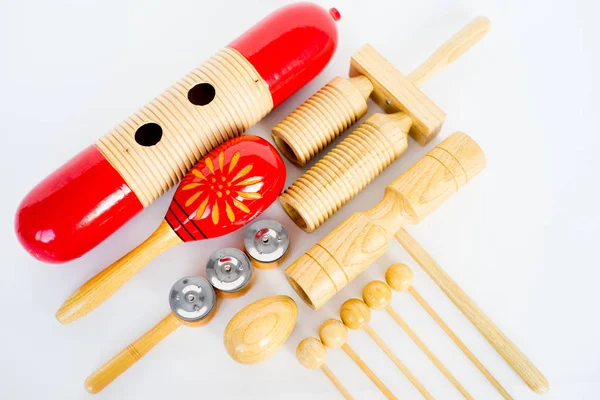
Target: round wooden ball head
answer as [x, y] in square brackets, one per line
[377, 294]
[355, 314]
[333, 333]
[311, 353]
[400, 277]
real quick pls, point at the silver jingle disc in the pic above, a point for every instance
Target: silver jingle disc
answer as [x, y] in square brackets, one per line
[229, 270]
[266, 241]
[192, 298]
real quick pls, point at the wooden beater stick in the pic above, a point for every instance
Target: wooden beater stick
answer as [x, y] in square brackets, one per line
[334, 334]
[355, 315]
[312, 354]
[378, 294]
[400, 278]
[507, 349]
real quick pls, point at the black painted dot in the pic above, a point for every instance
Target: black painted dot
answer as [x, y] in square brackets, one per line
[201, 94]
[148, 134]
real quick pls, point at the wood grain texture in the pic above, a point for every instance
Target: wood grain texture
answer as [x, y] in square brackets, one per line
[463, 347]
[503, 345]
[188, 131]
[346, 170]
[99, 288]
[259, 329]
[425, 349]
[360, 240]
[336, 382]
[131, 354]
[322, 118]
[369, 372]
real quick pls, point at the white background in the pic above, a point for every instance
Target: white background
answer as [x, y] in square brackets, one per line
[521, 238]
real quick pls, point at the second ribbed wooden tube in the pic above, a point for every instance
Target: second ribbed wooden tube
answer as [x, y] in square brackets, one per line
[346, 170]
[322, 118]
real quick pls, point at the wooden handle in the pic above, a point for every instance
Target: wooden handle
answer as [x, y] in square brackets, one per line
[441, 367]
[370, 374]
[98, 289]
[450, 51]
[131, 354]
[507, 349]
[360, 240]
[336, 382]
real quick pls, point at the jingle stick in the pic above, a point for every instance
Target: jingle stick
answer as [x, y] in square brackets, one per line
[532, 376]
[399, 277]
[334, 334]
[311, 353]
[356, 315]
[224, 191]
[193, 302]
[378, 295]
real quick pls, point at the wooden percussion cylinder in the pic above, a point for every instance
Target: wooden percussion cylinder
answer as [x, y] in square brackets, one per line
[346, 170]
[94, 194]
[322, 118]
[355, 244]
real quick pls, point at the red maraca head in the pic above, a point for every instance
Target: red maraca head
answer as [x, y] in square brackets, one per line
[229, 187]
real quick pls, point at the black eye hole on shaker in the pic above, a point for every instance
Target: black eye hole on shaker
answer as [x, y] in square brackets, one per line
[201, 94]
[148, 134]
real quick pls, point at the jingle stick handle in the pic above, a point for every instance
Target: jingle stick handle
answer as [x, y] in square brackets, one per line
[507, 349]
[450, 51]
[98, 289]
[131, 354]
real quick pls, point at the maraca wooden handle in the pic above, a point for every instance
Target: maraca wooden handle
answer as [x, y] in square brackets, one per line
[507, 349]
[355, 244]
[98, 289]
[450, 51]
[131, 354]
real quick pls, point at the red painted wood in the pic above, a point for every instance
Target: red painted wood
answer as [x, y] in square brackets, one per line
[290, 46]
[75, 208]
[228, 188]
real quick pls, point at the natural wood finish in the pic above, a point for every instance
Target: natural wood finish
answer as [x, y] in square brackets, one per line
[322, 118]
[346, 170]
[131, 354]
[259, 329]
[311, 353]
[377, 295]
[428, 352]
[356, 315]
[450, 51]
[333, 333]
[98, 289]
[507, 349]
[370, 374]
[356, 243]
[400, 277]
[189, 131]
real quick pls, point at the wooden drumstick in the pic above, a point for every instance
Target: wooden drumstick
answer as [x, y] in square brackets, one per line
[532, 376]
[399, 277]
[378, 295]
[334, 334]
[193, 302]
[312, 355]
[356, 315]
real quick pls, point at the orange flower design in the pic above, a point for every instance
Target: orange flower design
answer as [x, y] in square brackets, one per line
[223, 189]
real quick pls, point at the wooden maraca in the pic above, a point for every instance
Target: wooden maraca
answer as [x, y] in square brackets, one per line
[311, 353]
[356, 315]
[193, 302]
[334, 334]
[224, 191]
[400, 277]
[378, 295]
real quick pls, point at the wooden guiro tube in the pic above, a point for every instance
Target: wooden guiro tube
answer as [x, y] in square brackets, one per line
[100, 189]
[350, 248]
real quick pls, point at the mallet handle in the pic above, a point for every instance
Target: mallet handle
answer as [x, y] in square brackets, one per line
[98, 289]
[131, 354]
[507, 349]
[450, 51]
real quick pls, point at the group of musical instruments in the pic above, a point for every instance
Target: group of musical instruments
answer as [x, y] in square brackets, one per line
[190, 135]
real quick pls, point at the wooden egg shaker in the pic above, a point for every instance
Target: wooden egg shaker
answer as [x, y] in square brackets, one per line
[376, 143]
